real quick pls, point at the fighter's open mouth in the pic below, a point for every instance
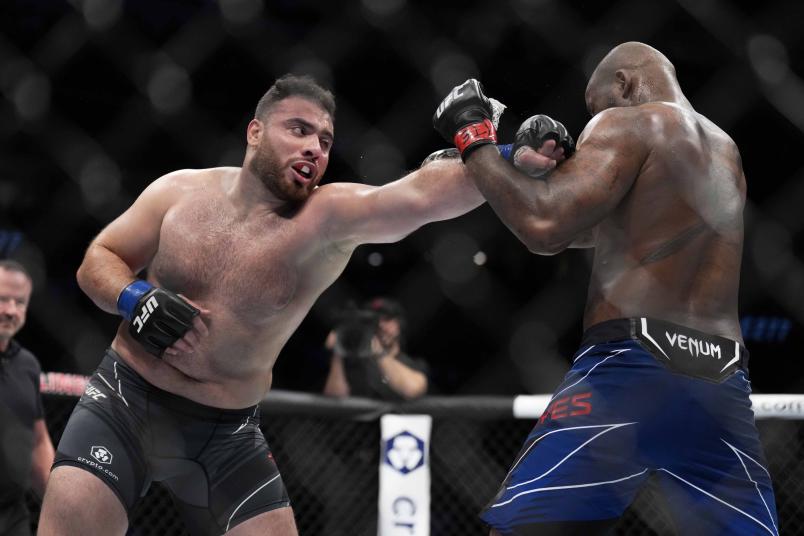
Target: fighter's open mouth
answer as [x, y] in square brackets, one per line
[305, 170]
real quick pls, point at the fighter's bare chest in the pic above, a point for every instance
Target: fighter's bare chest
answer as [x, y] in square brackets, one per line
[252, 266]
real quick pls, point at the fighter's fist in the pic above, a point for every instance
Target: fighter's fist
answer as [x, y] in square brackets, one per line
[158, 317]
[540, 143]
[535, 130]
[465, 116]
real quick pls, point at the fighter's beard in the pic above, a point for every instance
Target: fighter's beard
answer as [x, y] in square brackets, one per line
[267, 168]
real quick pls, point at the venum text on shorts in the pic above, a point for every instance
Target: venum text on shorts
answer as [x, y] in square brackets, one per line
[696, 347]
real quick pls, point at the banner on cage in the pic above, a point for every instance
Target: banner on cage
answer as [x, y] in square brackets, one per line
[404, 499]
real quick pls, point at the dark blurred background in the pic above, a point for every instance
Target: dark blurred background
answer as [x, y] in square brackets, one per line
[100, 97]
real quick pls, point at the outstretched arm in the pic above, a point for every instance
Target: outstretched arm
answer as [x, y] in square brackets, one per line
[439, 190]
[549, 215]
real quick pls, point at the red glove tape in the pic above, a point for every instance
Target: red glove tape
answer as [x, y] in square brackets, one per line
[470, 134]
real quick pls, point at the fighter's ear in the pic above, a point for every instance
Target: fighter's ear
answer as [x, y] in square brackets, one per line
[254, 131]
[625, 83]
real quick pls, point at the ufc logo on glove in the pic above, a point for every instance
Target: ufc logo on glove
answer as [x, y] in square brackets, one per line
[149, 307]
[454, 94]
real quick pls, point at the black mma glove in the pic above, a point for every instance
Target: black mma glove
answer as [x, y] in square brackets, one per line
[158, 317]
[464, 118]
[536, 130]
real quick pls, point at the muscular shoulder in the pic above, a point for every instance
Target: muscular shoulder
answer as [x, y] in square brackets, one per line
[351, 213]
[338, 197]
[188, 180]
[170, 189]
[677, 129]
[639, 123]
[653, 124]
[615, 126]
[340, 191]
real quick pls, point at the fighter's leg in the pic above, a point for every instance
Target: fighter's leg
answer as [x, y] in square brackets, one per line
[232, 482]
[99, 471]
[709, 462]
[582, 465]
[279, 522]
[722, 504]
[723, 489]
[79, 503]
[570, 480]
[568, 528]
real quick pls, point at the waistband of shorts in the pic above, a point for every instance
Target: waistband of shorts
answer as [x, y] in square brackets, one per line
[621, 329]
[166, 398]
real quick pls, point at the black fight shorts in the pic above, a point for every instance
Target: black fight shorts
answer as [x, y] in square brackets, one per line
[215, 462]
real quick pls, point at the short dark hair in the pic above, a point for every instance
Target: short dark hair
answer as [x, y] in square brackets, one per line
[14, 266]
[392, 310]
[291, 85]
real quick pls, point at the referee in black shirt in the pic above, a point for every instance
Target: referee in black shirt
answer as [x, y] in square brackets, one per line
[26, 452]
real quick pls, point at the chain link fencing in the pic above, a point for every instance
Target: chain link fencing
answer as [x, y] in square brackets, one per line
[328, 452]
[99, 98]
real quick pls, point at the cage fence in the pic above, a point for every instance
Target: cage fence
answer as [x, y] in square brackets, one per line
[328, 452]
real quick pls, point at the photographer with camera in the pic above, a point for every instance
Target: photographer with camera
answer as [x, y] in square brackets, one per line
[368, 359]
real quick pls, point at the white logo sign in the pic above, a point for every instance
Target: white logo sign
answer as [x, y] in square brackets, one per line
[405, 452]
[101, 454]
[149, 307]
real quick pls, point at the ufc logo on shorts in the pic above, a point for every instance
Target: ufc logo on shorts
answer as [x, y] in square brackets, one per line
[94, 393]
[149, 307]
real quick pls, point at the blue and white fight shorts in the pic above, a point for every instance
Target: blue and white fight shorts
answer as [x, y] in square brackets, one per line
[644, 398]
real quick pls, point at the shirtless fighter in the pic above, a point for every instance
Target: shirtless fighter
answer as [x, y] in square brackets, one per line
[235, 257]
[659, 386]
